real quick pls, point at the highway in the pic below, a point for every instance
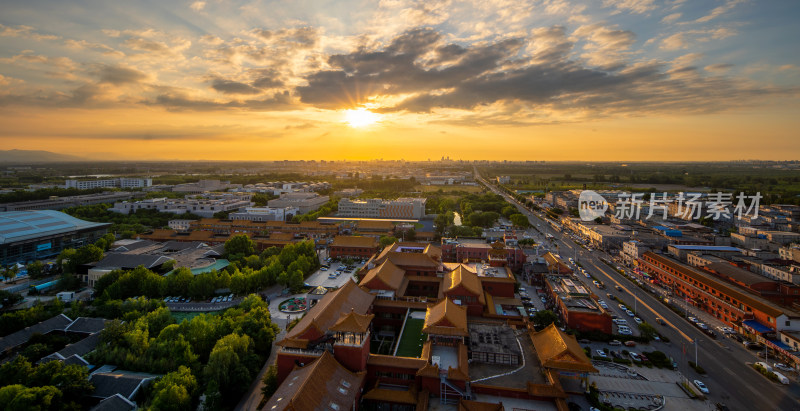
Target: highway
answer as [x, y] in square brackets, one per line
[729, 379]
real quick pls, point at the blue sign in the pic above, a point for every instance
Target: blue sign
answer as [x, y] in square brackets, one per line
[42, 247]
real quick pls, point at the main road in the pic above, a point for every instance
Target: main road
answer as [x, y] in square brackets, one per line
[729, 379]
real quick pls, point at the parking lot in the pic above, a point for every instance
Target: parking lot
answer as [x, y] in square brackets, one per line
[328, 277]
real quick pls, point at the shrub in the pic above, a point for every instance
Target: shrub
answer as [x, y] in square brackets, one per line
[697, 368]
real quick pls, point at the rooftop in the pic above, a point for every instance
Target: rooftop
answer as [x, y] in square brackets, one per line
[26, 225]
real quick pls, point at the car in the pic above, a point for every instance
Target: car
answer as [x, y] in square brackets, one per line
[702, 326]
[610, 296]
[711, 333]
[601, 353]
[166, 300]
[753, 345]
[614, 343]
[615, 354]
[630, 343]
[584, 341]
[332, 276]
[637, 319]
[522, 289]
[700, 386]
[783, 367]
[635, 357]
[526, 298]
[643, 357]
[692, 319]
[527, 303]
[626, 331]
[618, 288]
[630, 313]
[623, 307]
[660, 321]
[619, 321]
[323, 269]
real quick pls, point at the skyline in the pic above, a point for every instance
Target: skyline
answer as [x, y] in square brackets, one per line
[622, 80]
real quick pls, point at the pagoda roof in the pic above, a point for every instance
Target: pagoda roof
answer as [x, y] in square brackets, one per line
[388, 273]
[560, 351]
[353, 322]
[446, 318]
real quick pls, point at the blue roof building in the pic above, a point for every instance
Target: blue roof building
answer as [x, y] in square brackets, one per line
[40, 234]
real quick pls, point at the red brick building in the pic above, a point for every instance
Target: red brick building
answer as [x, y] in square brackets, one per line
[353, 246]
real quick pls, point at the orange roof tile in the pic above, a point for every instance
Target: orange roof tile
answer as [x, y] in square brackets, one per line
[443, 312]
[388, 273]
[399, 362]
[375, 225]
[352, 323]
[316, 386]
[354, 241]
[391, 395]
[467, 405]
[463, 276]
[558, 350]
[327, 312]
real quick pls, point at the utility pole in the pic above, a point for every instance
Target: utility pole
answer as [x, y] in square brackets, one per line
[695, 353]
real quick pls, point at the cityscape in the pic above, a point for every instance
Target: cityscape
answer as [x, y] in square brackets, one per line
[546, 205]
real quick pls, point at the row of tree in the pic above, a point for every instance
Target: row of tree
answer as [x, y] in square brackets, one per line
[48, 386]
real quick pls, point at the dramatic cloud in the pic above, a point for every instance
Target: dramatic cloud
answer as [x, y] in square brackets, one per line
[120, 75]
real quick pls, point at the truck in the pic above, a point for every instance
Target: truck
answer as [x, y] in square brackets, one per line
[66, 296]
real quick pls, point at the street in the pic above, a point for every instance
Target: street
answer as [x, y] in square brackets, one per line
[729, 379]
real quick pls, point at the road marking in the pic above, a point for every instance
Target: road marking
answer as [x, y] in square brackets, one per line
[639, 300]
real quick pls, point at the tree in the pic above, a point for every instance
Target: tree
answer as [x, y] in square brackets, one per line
[544, 318]
[519, 220]
[89, 253]
[386, 240]
[239, 246]
[647, 330]
[231, 365]
[175, 390]
[36, 269]
[270, 381]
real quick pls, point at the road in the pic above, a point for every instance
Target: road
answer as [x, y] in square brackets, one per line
[729, 379]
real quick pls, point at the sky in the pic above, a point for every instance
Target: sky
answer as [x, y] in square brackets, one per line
[603, 80]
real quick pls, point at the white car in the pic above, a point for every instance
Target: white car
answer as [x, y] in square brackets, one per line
[601, 353]
[783, 367]
[702, 387]
[625, 330]
[692, 319]
[702, 326]
[630, 313]
[623, 307]
[637, 319]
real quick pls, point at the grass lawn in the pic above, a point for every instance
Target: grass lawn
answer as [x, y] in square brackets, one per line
[409, 344]
[179, 316]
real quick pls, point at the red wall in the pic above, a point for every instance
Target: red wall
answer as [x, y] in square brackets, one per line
[286, 363]
[352, 357]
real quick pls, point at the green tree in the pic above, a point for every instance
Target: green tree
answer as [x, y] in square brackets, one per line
[270, 381]
[647, 330]
[544, 318]
[519, 220]
[386, 240]
[231, 365]
[35, 269]
[239, 246]
[174, 391]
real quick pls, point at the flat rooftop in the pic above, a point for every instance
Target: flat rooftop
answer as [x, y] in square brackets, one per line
[496, 338]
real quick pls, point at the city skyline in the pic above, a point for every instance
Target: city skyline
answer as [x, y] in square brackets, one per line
[556, 80]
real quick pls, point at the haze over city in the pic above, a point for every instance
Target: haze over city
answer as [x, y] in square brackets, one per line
[556, 80]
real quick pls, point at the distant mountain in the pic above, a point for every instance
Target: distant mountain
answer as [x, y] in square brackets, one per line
[34, 156]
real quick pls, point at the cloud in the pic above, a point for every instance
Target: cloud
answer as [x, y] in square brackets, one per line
[418, 71]
[684, 39]
[718, 68]
[671, 18]
[198, 5]
[633, 6]
[606, 47]
[720, 10]
[233, 87]
[118, 75]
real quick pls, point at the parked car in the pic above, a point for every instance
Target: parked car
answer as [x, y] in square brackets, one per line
[615, 343]
[783, 367]
[692, 319]
[702, 387]
[635, 357]
[625, 331]
[782, 378]
[601, 353]
[637, 319]
[584, 341]
[630, 313]
[630, 343]
[753, 345]
[615, 354]
[623, 307]
[702, 326]
[643, 357]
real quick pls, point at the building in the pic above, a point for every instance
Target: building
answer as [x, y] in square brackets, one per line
[37, 235]
[265, 214]
[683, 252]
[204, 186]
[180, 225]
[576, 305]
[352, 246]
[402, 208]
[58, 203]
[204, 206]
[305, 202]
[409, 345]
[121, 182]
[348, 193]
[503, 179]
[458, 250]
[728, 302]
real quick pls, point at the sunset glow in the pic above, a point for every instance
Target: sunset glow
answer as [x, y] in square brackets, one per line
[360, 118]
[247, 79]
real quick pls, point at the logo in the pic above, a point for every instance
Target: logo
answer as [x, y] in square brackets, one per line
[591, 205]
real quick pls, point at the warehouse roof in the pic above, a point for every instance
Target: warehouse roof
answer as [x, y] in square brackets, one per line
[26, 225]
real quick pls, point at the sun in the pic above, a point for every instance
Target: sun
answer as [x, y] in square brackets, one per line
[360, 117]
